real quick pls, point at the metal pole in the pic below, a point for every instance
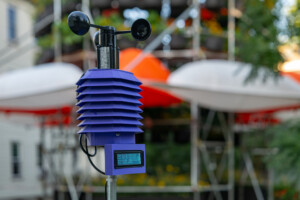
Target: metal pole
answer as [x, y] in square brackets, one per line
[210, 173]
[86, 41]
[57, 36]
[231, 29]
[196, 27]
[270, 184]
[230, 140]
[253, 178]
[194, 150]
[111, 187]
[43, 152]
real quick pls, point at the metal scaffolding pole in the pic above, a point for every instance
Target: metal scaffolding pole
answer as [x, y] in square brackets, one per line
[226, 127]
[253, 178]
[57, 35]
[42, 164]
[194, 149]
[230, 146]
[196, 30]
[86, 40]
[231, 30]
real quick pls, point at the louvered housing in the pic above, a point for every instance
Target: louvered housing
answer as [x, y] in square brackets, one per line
[108, 101]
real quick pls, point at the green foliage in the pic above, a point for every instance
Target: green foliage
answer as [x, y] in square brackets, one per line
[41, 5]
[170, 154]
[294, 24]
[157, 24]
[286, 163]
[285, 192]
[67, 36]
[257, 37]
[45, 41]
[115, 19]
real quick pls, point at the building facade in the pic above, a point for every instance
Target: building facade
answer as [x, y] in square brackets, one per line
[17, 43]
[19, 160]
[19, 167]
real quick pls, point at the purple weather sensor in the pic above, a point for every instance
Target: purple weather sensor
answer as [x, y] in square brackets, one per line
[109, 108]
[108, 101]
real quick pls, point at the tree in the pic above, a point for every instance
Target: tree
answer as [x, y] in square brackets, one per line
[257, 35]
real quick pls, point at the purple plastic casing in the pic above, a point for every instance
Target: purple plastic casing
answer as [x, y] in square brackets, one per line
[109, 159]
[108, 101]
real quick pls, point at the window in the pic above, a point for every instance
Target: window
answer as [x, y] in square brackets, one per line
[11, 23]
[16, 161]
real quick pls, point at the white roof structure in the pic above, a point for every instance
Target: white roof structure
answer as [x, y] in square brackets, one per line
[45, 86]
[220, 85]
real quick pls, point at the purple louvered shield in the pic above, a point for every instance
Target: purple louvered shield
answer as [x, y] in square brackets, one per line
[108, 101]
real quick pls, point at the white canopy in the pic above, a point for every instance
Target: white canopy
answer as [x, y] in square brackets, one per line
[220, 85]
[41, 87]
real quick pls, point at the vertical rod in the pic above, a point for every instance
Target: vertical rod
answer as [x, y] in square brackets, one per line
[98, 57]
[43, 152]
[86, 42]
[112, 57]
[230, 142]
[270, 184]
[196, 28]
[231, 30]
[115, 53]
[253, 178]
[194, 149]
[89, 194]
[111, 187]
[57, 35]
[118, 56]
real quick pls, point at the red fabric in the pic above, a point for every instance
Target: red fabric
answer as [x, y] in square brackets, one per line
[263, 116]
[153, 97]
[293, 75]
[48, 111]
[151, 69]
[54, 116]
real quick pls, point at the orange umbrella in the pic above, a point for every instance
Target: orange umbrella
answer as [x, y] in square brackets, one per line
[149, 69]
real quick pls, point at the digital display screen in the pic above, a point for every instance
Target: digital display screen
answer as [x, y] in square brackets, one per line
[128, 159]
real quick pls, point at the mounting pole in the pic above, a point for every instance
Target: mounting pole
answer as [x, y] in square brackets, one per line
[111, 187]
[107, 51]
[107, 58]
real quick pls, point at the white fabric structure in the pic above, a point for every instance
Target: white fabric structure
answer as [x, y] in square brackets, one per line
[220, 85]
[41, 87]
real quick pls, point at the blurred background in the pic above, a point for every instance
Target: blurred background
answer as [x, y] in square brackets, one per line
[221, 95]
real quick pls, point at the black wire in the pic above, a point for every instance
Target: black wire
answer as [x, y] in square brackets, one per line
[86, 150]
[92, 163]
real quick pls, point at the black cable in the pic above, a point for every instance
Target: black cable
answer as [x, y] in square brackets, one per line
[92, 163]
[85, 150]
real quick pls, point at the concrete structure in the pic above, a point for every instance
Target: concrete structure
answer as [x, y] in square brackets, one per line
[19, 166]
[17, 43]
